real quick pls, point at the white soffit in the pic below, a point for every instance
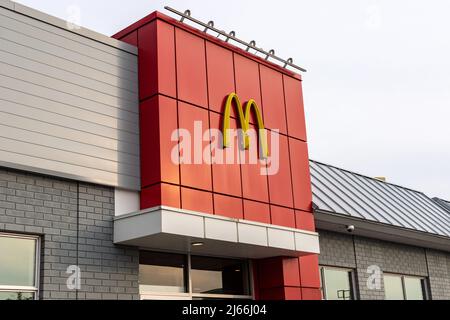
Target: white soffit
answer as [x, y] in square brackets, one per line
[164, 228]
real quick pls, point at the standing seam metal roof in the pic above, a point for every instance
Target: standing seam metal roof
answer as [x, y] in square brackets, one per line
[443, 203]
[347, 193]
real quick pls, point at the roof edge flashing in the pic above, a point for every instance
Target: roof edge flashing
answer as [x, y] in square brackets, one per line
[63, 24]
[337, 223]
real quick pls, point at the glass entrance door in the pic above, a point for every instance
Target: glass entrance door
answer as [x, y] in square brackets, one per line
[167, 276]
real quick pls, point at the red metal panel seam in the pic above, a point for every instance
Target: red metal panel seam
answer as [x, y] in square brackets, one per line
[267, 170]
[139, 63]
[221, 194]
[202, 107]
[153, 95]
[218, 193]
[178, 116]
[289, 152]
[140, 121]
[157, 55]
[233, 117]
[292, 187]
[209, 127]
[300, 272]
[239, 153]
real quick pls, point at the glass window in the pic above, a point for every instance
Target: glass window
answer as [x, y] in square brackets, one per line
[165, 275]
[414, 288]
[162, 272]
[18, 267]
[393, 287]
[398, 287]
[336, 284]
[18, 261]
[219, 276]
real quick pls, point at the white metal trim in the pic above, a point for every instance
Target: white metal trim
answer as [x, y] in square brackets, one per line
[62, 24]
[200, 214]
[165, 221]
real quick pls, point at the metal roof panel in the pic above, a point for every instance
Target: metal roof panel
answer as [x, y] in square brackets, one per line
[340, 191]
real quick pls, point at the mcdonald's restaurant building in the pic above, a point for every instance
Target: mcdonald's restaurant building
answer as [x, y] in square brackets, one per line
[93, 204]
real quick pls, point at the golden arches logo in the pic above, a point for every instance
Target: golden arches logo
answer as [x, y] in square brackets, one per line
[244, 120]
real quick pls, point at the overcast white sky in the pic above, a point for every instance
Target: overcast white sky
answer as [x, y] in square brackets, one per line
[377, 91]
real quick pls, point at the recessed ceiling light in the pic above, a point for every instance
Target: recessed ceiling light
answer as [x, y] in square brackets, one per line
[197, 244]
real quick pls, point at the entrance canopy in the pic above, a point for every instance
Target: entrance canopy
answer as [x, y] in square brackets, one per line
[164, 228]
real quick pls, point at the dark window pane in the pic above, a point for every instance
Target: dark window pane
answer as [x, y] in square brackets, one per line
[18, 261]
[162, 273]
[219, 276]
[337, 284]
[16, 296]
[393, 287]
[413, 288]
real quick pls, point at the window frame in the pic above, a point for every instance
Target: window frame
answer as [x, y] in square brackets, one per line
[26, 289]
[423, 282]
[351, 279]
[190, 295]
[185, 275]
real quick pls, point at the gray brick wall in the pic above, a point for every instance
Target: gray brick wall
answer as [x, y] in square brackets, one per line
[336, 250]
[358, 253]
[75, 223]
[439, 270]
[368, 252]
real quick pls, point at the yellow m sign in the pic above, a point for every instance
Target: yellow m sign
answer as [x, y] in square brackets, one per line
[244, 120]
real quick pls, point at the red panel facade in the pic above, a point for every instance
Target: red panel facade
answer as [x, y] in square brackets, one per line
[254, 185]
[185, 77]
[281, 279]
[248, 85]
[196, 200]
[309, 274]
[220, 68]
[131, 38]
[301, 179]
[228, 206]
[195, 173]
[226, 177]
[191, 68]
[304, 220]
[158, 118]
[157, 73]
[295, 113]
[161, 194]
[280, 184]
[256, 211]
[273, 99]
[291, 272]
[284, 217]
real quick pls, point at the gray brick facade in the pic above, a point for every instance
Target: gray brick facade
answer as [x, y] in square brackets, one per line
[75, 225]
[358, 253]
[439, 270]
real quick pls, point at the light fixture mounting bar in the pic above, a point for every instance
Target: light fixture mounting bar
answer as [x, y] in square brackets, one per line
[232, 36]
